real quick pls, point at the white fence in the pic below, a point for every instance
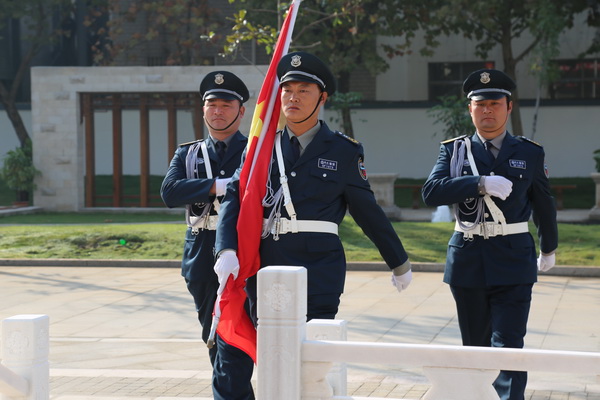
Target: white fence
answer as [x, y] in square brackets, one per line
[24, 371]
[295, 359]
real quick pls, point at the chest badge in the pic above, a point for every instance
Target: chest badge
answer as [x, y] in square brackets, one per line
[521, 164]
[327, 164]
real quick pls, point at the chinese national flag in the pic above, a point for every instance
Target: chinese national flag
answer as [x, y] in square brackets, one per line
[235, 328]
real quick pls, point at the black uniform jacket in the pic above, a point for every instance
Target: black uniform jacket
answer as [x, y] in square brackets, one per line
[328, 179]
[177, 190]
[500, 260]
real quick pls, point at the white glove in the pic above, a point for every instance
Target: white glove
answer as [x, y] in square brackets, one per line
[227, 264]
[498, 186]
[546, 262]
[221, 186]
[401, 282]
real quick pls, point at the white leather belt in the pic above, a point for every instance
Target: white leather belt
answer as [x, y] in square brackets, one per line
[284, 226]
[197, 224]
[491, 229]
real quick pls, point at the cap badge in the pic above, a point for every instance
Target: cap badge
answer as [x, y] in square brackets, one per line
[219, 79]
[485, 77]
[296, 61]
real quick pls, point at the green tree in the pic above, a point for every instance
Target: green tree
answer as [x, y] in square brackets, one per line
[173, 27]
[499, 23]
[344, 32]
[453, 114]
[40, 28]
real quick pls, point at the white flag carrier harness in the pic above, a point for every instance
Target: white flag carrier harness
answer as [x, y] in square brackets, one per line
[480, 227]
[204, 220]
[275, 224]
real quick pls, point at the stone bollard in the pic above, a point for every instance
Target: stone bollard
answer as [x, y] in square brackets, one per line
[281, 330]
[25, 350]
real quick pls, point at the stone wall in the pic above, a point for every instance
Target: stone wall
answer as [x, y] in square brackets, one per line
[57, 127]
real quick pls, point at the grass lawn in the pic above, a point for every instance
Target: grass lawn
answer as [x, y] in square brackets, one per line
[130, 236]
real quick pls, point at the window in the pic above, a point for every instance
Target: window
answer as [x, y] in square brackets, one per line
[579, 79]
[446, 79]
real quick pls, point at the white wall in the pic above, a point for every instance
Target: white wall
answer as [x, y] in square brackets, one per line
[404, 141]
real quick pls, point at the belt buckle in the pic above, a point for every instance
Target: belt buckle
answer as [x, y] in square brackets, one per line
[489, 229]
[284, 226]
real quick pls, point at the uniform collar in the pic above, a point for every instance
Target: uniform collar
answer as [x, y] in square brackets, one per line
[306, 137]
[497, 141]
[226, 140]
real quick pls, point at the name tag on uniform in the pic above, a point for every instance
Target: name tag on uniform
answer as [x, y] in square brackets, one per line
[517, 164]
[328, 164]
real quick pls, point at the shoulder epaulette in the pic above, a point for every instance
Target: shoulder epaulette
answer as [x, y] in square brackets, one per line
[453, 139]
[348, 138]
[531, 141]
[192, 142]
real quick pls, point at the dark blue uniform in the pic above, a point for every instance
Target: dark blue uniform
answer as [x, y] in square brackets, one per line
[328, 179]
[198, 251]
[502, 268]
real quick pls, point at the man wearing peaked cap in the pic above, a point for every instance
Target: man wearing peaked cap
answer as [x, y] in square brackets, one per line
[223, 85]
[496, 182]
[488, 84]
[197, 177]
[305, 67]
[316, 175]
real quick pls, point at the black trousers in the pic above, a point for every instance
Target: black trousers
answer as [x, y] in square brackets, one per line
[496, 316]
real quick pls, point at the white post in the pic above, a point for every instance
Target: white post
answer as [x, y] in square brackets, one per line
[331, 329]
[25, 350]
[281, 329]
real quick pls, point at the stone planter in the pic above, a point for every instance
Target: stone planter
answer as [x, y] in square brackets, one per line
[595, 211]
[383, 187]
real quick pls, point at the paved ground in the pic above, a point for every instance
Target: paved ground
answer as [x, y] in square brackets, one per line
[131, 333]
[118, 331]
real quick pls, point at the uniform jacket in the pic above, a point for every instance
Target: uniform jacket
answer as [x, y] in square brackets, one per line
[177, 191]
[500, 260]
[328, 179]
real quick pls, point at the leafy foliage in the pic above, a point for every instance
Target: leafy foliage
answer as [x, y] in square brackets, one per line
[176, 26]
[18, 171]
[350, 34]
[454, 115]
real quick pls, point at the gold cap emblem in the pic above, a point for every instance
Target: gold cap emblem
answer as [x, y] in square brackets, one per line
[219, 79]
[485, 77]
[296, 61]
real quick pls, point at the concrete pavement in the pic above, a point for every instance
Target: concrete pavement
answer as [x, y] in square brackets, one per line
[127, 330]
[131, 333]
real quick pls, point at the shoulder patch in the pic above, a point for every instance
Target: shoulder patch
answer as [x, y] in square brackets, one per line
[192, 142]
[348, 138]
[531, 141]
[453, 139]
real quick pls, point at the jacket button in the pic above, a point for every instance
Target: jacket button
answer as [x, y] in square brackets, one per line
[293, 173]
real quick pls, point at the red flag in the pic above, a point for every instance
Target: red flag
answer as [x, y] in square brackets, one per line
[235, 328]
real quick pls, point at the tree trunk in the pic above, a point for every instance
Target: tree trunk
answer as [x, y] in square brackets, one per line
[510, 68]
[13, 114]
[344, 87]
[347, 122]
